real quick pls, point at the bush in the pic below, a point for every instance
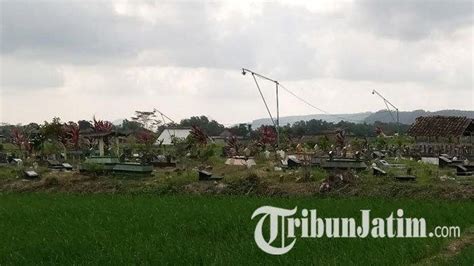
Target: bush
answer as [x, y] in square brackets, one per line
[319, 174]
[250, 184]
[205, 153]
[93, 168]
[7, 172]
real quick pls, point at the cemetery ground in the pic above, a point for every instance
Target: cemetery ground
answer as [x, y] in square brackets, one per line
[170, 216]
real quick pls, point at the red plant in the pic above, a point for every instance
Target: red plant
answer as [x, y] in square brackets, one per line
[146, 137]
[233, 142]
[198, 135]
[17, 137]
[232, 146]
[102, 126]
[267, 135]
[71, 134]
[20, 139]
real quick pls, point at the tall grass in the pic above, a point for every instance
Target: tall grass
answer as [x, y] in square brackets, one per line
[125, 229]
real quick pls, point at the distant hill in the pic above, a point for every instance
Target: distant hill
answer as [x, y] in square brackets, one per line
[356, 118]
[409, 117]
[367, 117]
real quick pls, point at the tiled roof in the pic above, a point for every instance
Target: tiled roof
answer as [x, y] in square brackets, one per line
[92, 134]
[439, 126]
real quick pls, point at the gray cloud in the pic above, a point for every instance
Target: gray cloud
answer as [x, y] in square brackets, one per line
[155, 48]
[92, 33]
[414, 19]
[67, 31]
[15, 75]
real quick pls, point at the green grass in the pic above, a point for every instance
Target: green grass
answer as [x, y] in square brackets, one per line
[9, 147]
[465, 257]
[8, 172]
[125, 229]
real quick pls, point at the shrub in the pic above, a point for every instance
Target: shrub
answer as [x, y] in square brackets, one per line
[319, 174]
[205, 153]
[94, 168]
[7, 172]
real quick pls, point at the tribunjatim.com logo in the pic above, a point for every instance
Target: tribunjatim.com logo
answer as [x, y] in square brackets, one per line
[282, 224]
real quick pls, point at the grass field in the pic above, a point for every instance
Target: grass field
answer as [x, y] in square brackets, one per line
[123, 229]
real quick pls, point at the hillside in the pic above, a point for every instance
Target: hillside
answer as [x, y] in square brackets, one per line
[357, 117]
[407, 117]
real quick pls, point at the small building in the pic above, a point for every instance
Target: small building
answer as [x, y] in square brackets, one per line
[103, 138]
[224, 136]
[434, 135]
[168, 134]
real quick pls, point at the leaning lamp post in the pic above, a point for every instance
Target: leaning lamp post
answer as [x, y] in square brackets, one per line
[387, 103]
[276, 123]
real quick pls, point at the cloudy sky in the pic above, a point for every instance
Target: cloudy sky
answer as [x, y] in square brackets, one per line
[76, 59]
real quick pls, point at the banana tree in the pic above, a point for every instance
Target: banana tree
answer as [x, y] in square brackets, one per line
[20, 139]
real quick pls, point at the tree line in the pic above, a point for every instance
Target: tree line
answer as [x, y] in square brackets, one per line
[53, 129]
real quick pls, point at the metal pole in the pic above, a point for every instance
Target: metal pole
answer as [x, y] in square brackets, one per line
[263, 99]
[278, 117]
[389, 103]
[164, 115]
[398, 123]
[276, 123]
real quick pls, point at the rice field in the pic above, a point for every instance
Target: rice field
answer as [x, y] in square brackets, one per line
[40, 228]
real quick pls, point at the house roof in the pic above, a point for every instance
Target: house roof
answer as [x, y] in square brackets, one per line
[226, 133]
[440, 126]
[92, 134]
[168, 134]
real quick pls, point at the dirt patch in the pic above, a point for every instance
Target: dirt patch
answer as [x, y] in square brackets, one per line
[61, 182]
[453, 249]
[210, 187]
[259, 183]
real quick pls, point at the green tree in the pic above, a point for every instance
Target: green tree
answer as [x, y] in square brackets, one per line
[324, 143]
[131, 126]
[84, 124]
[53, 130]
[241, 130]
[210, 127]
[148, 120]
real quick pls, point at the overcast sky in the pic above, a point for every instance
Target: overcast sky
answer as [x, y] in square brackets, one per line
[76, 59]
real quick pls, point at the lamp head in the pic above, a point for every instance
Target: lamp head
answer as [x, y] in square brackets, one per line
[243, 72]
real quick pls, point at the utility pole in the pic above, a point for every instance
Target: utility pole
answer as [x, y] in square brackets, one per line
[390, 111]
[163, 116]
[278, 117]
[276, 123]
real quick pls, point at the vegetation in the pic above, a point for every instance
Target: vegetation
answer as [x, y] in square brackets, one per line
[210, 127]
[153, 219]
[55, 138]
[117, 229]
[147, 120]
[313, 126]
